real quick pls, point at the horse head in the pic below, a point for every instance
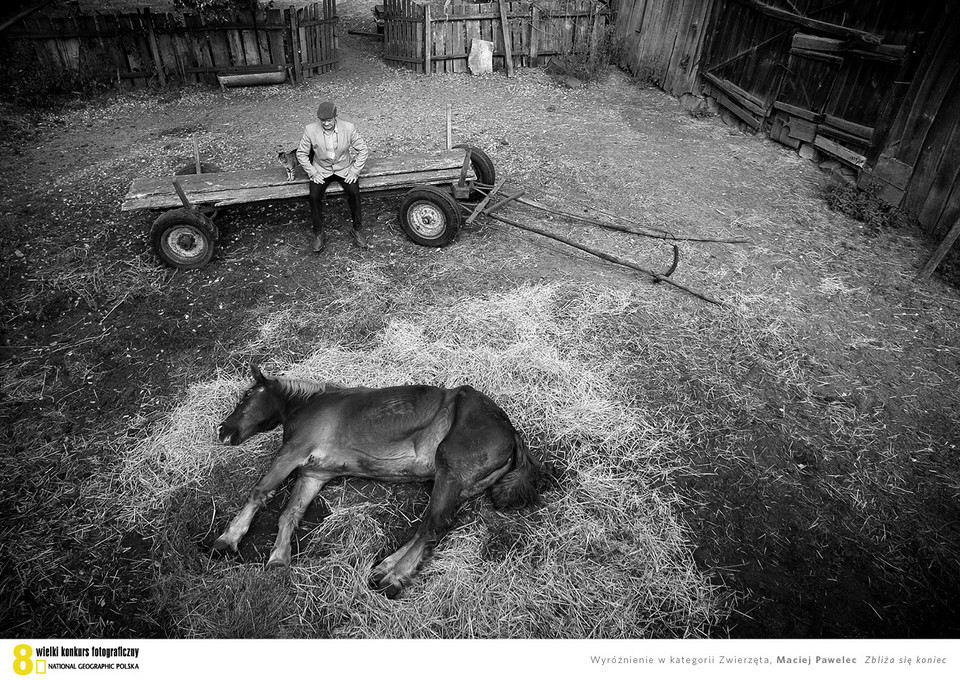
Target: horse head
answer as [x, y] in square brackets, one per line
[259, 410]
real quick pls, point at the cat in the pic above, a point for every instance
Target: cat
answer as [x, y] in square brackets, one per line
[288, 159]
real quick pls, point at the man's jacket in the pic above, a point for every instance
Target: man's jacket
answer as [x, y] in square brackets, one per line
[350, 150]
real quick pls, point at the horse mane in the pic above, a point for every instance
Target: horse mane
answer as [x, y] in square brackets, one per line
[301, 388]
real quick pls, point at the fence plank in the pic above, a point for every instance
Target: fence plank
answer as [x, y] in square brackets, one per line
[225, 48]
[535, 36]
[427, 39]
[507, 35]
[532, 31]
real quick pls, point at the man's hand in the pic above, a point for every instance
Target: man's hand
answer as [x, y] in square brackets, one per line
[316, 178]
[350, 177]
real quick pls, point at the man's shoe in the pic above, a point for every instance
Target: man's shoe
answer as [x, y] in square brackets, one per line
[318, 243]
[358, 239]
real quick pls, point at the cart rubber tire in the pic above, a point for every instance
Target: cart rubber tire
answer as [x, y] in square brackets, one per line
[430, 216]
[482, 165]
[184, 238]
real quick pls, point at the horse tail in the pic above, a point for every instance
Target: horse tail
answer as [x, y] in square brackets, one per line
[519, 487]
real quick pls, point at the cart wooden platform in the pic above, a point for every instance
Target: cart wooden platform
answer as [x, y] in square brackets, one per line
[186, 237]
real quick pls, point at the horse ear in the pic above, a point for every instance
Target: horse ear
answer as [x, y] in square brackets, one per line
[257, 373]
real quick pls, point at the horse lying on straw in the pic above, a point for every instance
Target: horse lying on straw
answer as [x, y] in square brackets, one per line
[458, 437]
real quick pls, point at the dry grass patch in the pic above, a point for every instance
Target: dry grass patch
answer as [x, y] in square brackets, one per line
[605, 556]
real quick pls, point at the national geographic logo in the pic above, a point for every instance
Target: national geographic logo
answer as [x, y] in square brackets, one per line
[73, 658]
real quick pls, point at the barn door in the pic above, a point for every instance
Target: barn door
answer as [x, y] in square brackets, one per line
[819, 72]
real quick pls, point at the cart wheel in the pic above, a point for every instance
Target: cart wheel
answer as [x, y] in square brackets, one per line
[430, 216]
[184, 238]
[482, 165]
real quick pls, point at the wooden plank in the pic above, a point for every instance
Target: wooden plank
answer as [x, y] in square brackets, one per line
[274, 37]
[294, 40]
[943, 178]
[937, 165]
[462, 41]
[262, 35]
[127, 32]
[841, 152]
[747, 100]
[862, 131]
[154, 49]
[797, 111]
[534, 35]
[229, 188]
[198, 47]
[220, 48]
[894, 171]
[472, 31]
[507, 42]
[443, 37]
[169, 57]
[821, 26]
[477, 16]
[735, 108]
[690, 47]
[844, 136]
[801, 129]
[301, 189]
[427, 40]
[332, 34]
[818, 43]
[234, 52]
[934, 86]
[940, 252]
[820, 56]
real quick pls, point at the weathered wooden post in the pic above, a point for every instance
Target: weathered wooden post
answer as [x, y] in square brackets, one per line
[154, 50]
[534, 35]
[507, 45]
[295, 45]
[427, 39]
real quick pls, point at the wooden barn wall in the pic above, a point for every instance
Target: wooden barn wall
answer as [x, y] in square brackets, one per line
[662, 40]
[137, 50]
[918, 166]
[437, 38]
[833, 75]
[815, 55]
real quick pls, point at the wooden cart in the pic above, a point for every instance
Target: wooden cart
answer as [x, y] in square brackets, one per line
[186, 237]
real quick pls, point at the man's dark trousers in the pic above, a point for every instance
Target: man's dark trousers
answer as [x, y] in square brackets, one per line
[317, 192]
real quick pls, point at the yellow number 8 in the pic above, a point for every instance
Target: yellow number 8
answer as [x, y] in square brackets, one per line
[22, 663]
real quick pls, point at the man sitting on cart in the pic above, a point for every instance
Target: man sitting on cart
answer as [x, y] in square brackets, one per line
[339, 153]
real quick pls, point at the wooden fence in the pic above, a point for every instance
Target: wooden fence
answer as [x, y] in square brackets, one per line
[438, 40]
[662, 41]
[136, 50]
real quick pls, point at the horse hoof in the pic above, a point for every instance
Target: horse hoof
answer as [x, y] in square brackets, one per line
[222, 546]
[388, 585]
[275, 565]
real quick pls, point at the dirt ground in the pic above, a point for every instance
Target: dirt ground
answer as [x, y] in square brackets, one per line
[816, 536]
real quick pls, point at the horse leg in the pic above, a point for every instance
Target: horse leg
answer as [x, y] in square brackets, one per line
[450, 490]
[286, 462]
[466, 467]
[307, 487]
[396, 571]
